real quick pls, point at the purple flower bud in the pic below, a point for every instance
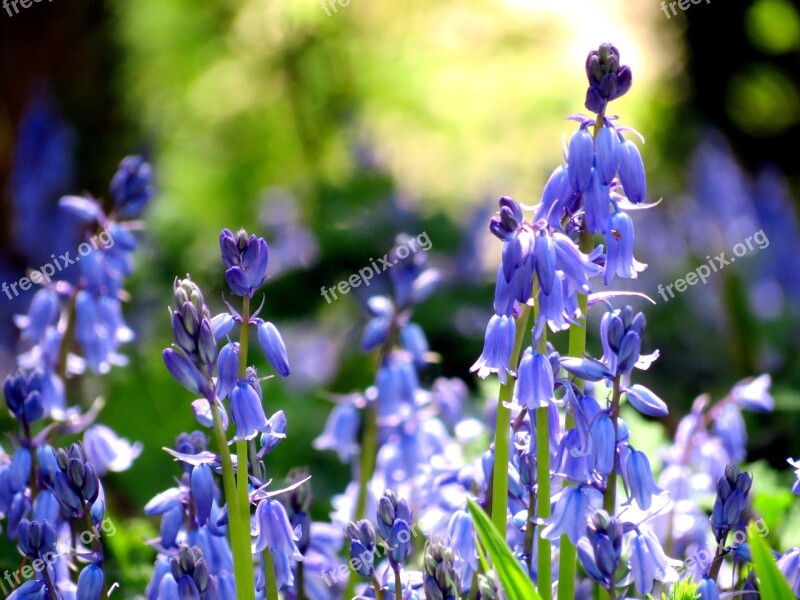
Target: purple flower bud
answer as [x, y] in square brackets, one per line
[184, 371]
[228, 369]
[90, 583]
[631, 172]
[628, 352]
[131, 186]
[269, 338]
[587, 369]
[221, 325]
[171, 523]
[400, 541]
[246, 259]
[645, 401]
[580, 160]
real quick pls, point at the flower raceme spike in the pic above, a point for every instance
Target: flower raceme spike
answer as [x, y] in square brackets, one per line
[439, 575]
[733, 489]
[362, 546]
[394, 525]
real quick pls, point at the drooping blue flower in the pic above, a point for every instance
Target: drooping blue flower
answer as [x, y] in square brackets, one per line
[246, 410]
[619, 249]
[90, 583]
[606, 154]
[271, 342]
[638, 477]
[597, 204]
[570, 513]
[648, 561]
[753, 394]
[789, 565]
[461, 533]
[498, 345]
[341, 432]
[580, 160]
[272, 530]
[106, 451]
[631, 171]
[708, 590]
[604, 443]
[535, 381]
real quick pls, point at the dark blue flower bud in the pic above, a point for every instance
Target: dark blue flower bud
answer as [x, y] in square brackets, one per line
[131, 186]
[608, 79]
[185, 372]
[269, 338]
[221, 325]
[585, 368]
[246, 258]
[228, 369]
[580, 160]
[507, 220]
[645, 401]
[629, 350]
[90, 583]
[400, 541]
[631, 172]
[171, 523]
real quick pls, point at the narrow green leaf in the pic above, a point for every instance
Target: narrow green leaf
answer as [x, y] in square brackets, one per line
[515, 582]
[771, 582]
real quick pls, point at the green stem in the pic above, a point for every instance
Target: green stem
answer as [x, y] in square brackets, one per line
[377, 586]
[242, 498]
[719, 555]
[398, 586]
[242, 574]
[501, 441]
[544, 569]
[577, 347]
[544, 564]
[300, 581]
[369, 448]
[610, 496]
[271, 585]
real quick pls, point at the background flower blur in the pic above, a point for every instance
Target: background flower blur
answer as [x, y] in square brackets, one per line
[329, 135]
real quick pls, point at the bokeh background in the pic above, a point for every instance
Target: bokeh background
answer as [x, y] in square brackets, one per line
[330, 129]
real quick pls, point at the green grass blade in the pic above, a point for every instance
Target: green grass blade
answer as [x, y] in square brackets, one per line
[515, 582]
[772, 584]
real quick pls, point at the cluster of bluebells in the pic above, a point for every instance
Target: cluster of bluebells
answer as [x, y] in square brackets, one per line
[52, 499]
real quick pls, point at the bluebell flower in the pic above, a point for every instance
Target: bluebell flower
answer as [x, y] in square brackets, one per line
[246, 410]
[185, 372]
[203, 490]
[37, 539]
[90, 583]
[754, 394]
[272, 531]
[341, 432]
[648, 561]
[246, 259]
[508, 220]
[382, 310]
[631, 171]
[461, 533]
[604, 443]
[597, 204]
[413, 339]
[106, 451]
[608, 79]
[619, 249]
[42, 313]
[789, 565]
[273, 435]
[606, 154]
[397, 384]
[269, 338]
[228, 369]
[570, 513]
[645, 401]
[132, 187]
[394, 520]
[498, 345]
[580, 160]
[708, 590]
[557, 194]
[638, 477]
[535, 381]
[412, 280]
[729, 426]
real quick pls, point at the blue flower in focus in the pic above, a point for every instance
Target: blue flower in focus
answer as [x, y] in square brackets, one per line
[273, 531]
[608, 79]
[246, 258]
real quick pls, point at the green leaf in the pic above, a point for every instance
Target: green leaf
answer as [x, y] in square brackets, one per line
[772, 584]
[515, 582]
[683, 590]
